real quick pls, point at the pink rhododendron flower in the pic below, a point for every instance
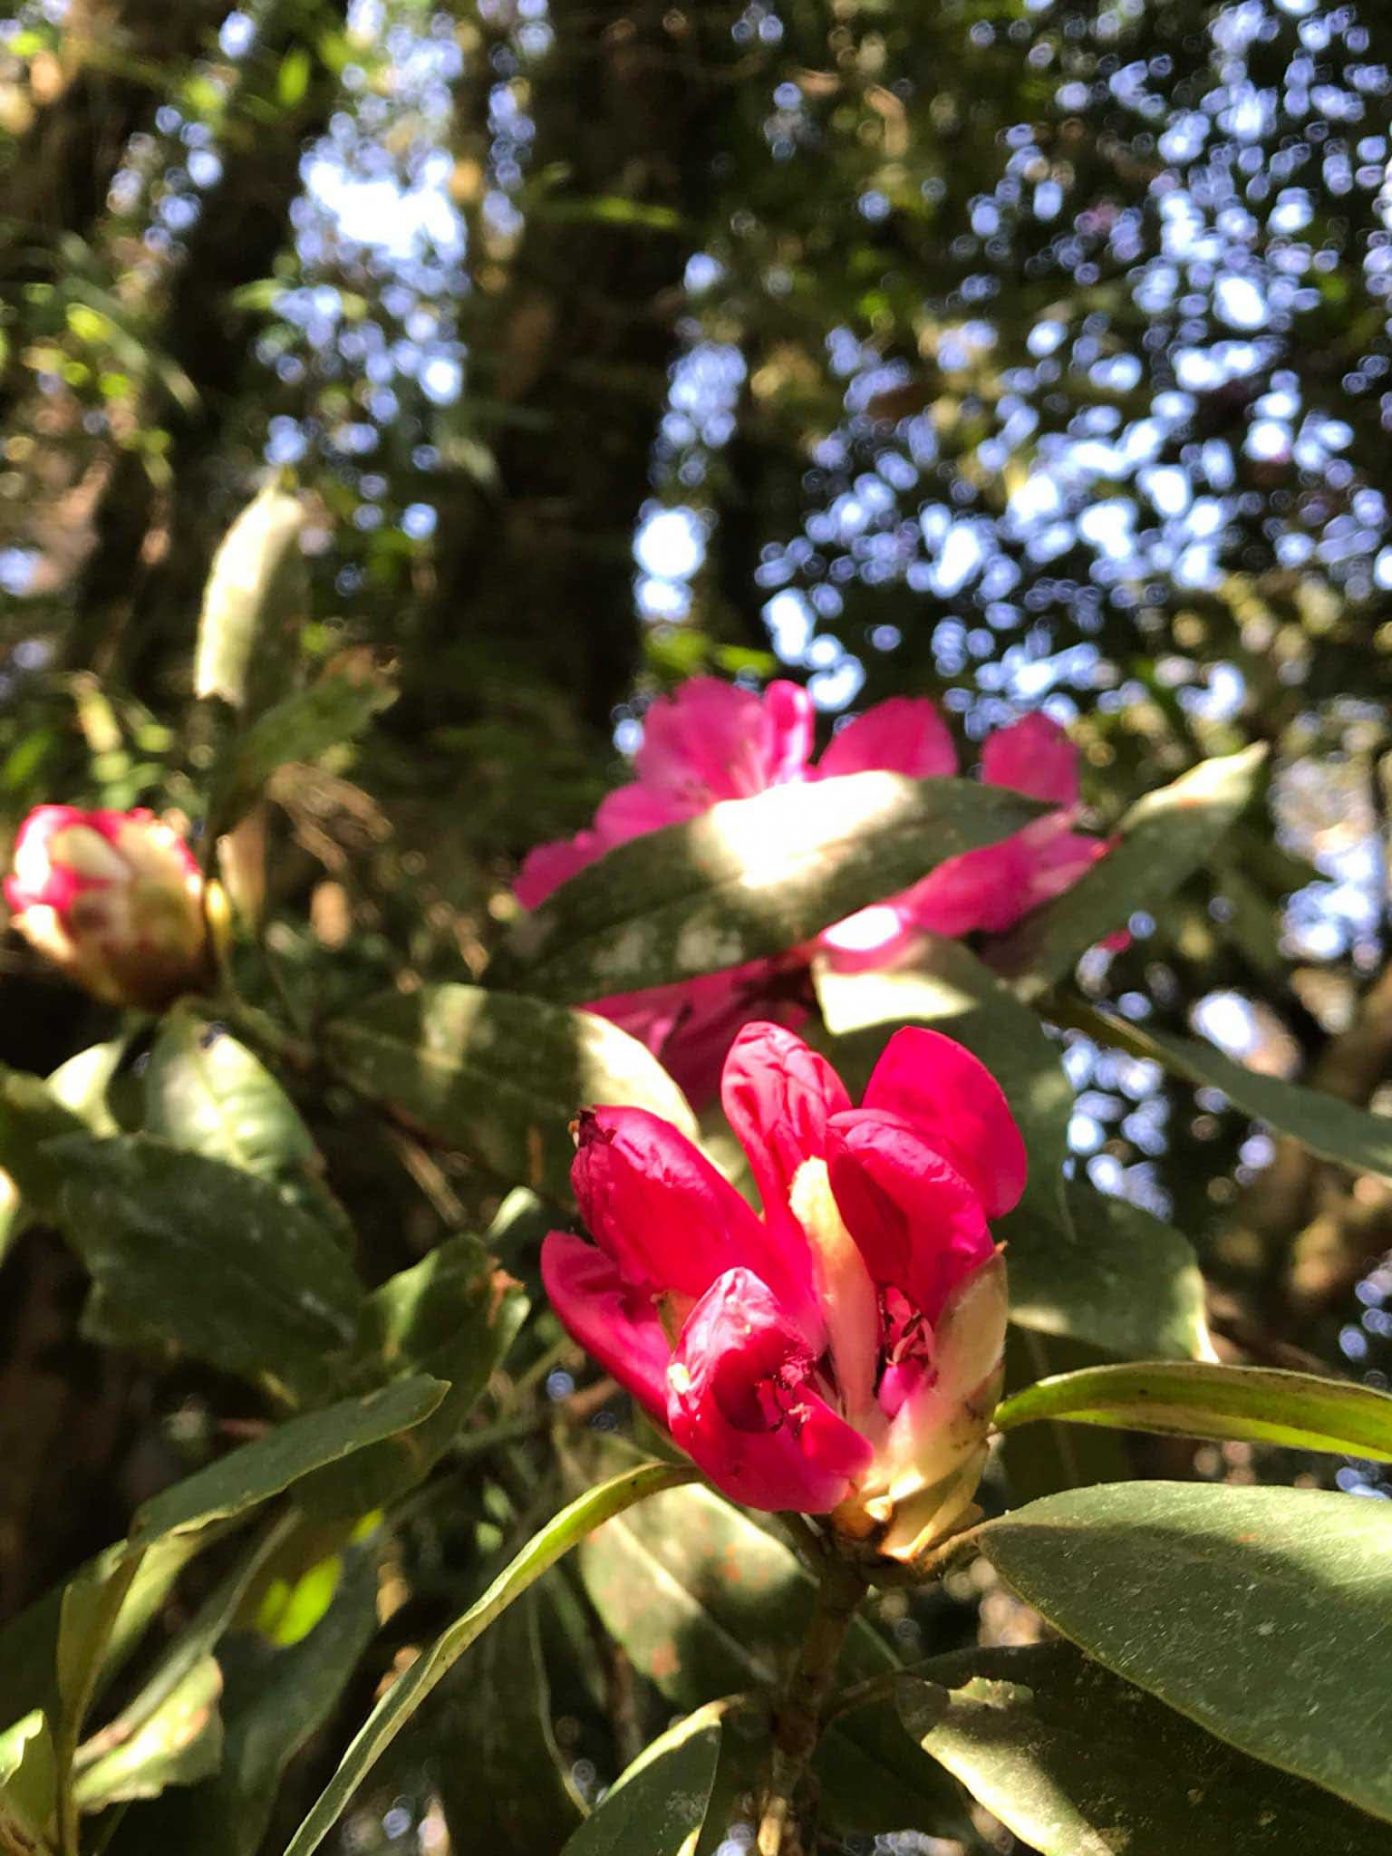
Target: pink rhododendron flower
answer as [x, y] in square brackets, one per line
[711, 741]
[115, 899]
[840, 1354]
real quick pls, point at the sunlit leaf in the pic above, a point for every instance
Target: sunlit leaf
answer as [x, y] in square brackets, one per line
[750, 877]
[257, 592]
[498, 1076]
[300, 727]
[1077, 1763]
[659, 1804]
[1261, 1613]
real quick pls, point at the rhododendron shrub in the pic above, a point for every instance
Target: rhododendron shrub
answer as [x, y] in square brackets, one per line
[841, 1353]
[114, 899]
[711, 741]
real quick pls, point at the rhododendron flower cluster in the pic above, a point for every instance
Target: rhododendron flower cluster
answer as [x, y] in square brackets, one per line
[712, 741]
[841, 1354]
[115, 899]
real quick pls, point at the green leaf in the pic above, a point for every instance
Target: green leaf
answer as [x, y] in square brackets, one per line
[498, 1076]
[660, 1802]
[1260, 1613]
[257, 595]
[948, 989]
[274, 1701]
[1326, 1125]
[179, 1744]
[213, 1259]
[705, 1601]
[83, 1084]
[749, 878]
[28, 1786]
[1077, 1763]
[31, 1115]
[510, 1794]
[452, 1316]
[410, 1689]
[1117, 1278]
[206, 1093]
[245, 1478]
[292, 79]
[298, 728]
[1164, 838]
[1257, 1403]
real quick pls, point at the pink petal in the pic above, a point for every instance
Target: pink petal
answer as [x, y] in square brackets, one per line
[550, 865]
[987, 888]
[903, 735]
[918, 1224]
[778, 1096]
[742, 1403]
[620, 1329]
[871, 938]
[1035, 757]
[635, 810]
[656, 1205]
[710, 740]
[956, 1105]
[1055, 857]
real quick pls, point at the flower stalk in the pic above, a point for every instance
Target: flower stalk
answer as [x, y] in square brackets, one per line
[784, 1827]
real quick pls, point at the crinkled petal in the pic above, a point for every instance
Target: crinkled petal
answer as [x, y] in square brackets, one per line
[618, 1327]
[906, 735]
[742, 1404]
[657, 1207]
[710, 740]
[918, 1223]
[952, 1100]
[778, 1096]
[1033, 756]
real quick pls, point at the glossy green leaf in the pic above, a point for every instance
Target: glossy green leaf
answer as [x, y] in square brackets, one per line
[1326, 1125]
[245, 1478]
[179, 1744]
[748, 878]
[275, 1700]
[299, 727]
[213, 1259]
[453, 1316]
[84, 1083]
[1263, 1614]
[660, 1802]
[510, 1793]
[411, 1688]
[257, 592]
[31, 1115]
[498, 1076]
[1196, 1399]
[1116, 1277]
[1164, 838]
[1077, 1763]
[948, 989]
[206, 1093]
[706, 1602]
[28, 1784]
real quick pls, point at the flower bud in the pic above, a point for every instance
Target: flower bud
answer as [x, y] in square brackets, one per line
[115, 899]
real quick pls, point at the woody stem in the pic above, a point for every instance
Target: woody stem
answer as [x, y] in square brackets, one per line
[798, 1719]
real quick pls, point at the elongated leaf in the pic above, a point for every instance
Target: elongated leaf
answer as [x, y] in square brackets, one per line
[749, 878]
[179, 1744]
[1077, 1763]
[948, 989]
[498, 1076]
[1164, 838]
[453, 1316]
[206, 1092]
[211, 1258]
[1337, 1130]
[660, 1803]
[257, 591]
[31, 1115]
[410, 1689]
[299, 727]
[274, 1700]
[28, 1785]
[1207, 1400]
[245, 1478]
[1116, 1277]
[706, 1602]
[1263, 1614]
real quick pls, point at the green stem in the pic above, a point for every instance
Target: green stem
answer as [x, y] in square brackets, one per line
[798, 1718]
